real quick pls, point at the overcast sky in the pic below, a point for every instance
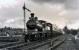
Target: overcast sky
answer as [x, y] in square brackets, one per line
[59, 12]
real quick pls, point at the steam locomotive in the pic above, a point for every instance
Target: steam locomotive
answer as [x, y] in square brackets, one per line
[38, 29]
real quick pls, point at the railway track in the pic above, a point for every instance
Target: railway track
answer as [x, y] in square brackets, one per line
[27, 46]
[5, 45]
[30, 45]
[14, 45]
[56, 43]
[34, 45]
[22, 45]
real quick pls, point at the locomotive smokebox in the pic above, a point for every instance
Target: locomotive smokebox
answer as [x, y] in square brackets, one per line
[32, 14]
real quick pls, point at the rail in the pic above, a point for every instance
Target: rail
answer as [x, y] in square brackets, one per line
[30, 45]
[40, 44]
[58, 43]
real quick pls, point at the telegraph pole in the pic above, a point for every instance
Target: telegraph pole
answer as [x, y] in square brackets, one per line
[24, 8]
[24, 20]
[24, 17]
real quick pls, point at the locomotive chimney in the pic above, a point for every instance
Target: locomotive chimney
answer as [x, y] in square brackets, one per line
[32, 14]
